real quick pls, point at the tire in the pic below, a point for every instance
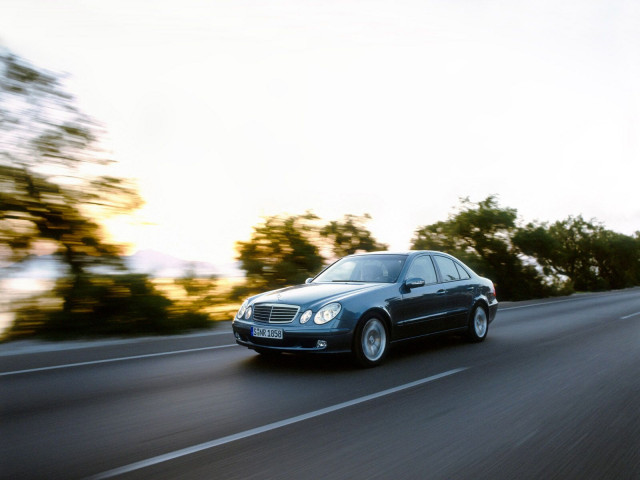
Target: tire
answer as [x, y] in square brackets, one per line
[478, 325]
[371, 342]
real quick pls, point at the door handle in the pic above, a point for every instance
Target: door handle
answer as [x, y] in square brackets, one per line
[441, 292]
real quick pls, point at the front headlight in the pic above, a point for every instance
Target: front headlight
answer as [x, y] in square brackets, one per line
[327, 313]
[243, 308]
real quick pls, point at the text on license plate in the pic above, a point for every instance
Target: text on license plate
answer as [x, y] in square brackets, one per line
[266, 332]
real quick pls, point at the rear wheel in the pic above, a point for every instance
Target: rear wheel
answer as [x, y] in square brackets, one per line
[478, 325]
[371, 342]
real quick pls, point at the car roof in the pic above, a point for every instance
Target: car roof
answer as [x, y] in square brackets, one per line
[405, 252]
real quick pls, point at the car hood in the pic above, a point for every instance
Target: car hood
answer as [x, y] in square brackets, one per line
[312, 293]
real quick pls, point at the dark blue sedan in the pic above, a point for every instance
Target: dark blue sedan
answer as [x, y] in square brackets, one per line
[363, 303]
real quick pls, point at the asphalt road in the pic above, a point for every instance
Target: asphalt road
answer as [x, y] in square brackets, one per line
[554, 392]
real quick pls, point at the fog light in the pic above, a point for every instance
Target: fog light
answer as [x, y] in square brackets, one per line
[321, 344]
[237, 336]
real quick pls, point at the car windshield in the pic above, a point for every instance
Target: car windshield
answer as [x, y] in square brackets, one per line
[364, 268]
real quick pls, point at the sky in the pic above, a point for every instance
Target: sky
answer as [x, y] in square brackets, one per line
[229, 111]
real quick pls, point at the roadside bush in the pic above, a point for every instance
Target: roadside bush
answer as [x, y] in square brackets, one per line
[93, 305]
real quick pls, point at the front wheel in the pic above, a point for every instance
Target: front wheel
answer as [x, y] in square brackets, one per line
[478, 325]
[370, 344]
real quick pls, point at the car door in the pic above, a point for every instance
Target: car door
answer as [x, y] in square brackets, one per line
[422, 308]
[459, 291]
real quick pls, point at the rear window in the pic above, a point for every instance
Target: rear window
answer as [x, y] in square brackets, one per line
[447, 268]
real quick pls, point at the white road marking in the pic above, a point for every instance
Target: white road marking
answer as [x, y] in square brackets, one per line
[266, 428]
[525, 439]
[111, 360]
[539, 304]
[629, 316]
[25, 347]
[552, 302]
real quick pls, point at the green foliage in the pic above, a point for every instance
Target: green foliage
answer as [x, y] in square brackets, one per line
[534, 261]
[103, 305]
[205, 295]
[480, 235]
[590, 256]
[55, 188]
[350, 236]
[285, 250]
[617, 258]
[53, 172]
[279, 253]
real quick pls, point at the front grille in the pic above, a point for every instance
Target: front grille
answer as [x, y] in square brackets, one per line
[274, 313]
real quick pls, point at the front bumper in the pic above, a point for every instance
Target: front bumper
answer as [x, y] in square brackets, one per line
[295, 339]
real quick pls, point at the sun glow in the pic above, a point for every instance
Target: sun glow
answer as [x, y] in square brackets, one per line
[226, 114]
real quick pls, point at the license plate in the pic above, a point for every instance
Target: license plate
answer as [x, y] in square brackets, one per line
[266, 332]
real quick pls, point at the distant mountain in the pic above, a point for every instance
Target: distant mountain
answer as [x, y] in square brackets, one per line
[160, 264]
[156, 264]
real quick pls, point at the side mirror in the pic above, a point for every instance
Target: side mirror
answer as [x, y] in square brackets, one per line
[308, 280]
[411, 283]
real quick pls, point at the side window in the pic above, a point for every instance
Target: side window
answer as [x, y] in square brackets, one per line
[464, 275]
[422, 267]
[447, 269]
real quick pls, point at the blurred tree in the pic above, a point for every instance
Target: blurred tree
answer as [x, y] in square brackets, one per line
[279, 253]
[104, 305]
[592, 257]
[350, 236]
[200, 293]
[573, 246]
[53, 180]
[617, 257]
[480, 235]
